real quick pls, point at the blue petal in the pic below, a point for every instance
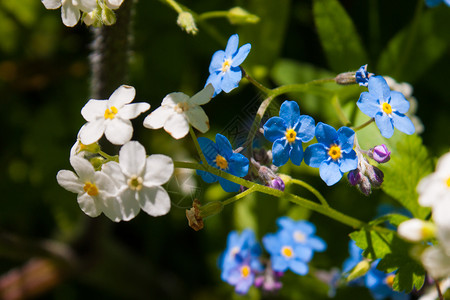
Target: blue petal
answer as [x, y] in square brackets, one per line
[238, 165]
[216, 62]
[447, 2]
[290, 112]
[305, 128]
[379, 88]
[303, 253]
[274, 129]
[325, 134]
[399, 103]
[223, 146]
[241, 55]
[244, 285]
[348, 162]
[231, 79]
[403, 123]
[271, 243]
[329, 172]
[298, 267]
[384, 123]
[216, 81]
[209, 149]
[317, 244]
[207, 177]
[368, 104]
[305, 227]
[296, 153]
[432, 3]
[280, 152]
[229, 186]
[315, 154]
[346, 138]
[285, 223]
[232, 45]
[279, 263]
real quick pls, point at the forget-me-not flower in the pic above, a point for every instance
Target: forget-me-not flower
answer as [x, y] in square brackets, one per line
[362, 76]
[221, 156]
[380, 284]
[333, 154]
[386, 106]
[224, 69]
[433, 3]
[287, 132]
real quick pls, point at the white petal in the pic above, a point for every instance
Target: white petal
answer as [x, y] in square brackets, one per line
[112, 208]
[114, 4]
[158, 117]
[94, 109]
[88, 205]
[177, 126]
[414, 230]
[132, 159]
[159, 169]
[173, 99]
[51, 4]
[123, 95]
[204, 96]
[443, 165]
[105, 184]
[154, 201]
[119, 131]
[113, 170]
[91, 132]
[87, 5]
[69, 14]
[441, 213]
[83, 168]
[198, 119]
[129, 204]
[131, 111]
[69, 180]
[436, 262]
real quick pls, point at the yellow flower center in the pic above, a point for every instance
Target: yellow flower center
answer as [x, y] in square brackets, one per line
[245, 271]
[291, 135]
[135, 183]
[390, 280]
[448, 182]
[110, 113]
[287, 251]
[226, 65]
[335, 152]
[181, 107]
[221, 162]
[90, 188]
[387, 108]
[299, 237]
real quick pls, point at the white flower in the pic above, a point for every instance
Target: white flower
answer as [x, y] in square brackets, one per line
[111, 117]
[113, 4]
[70, 9]
[177, 111]
[139, 179]
[416, 230]
[95, 189]
[435, 187]
[436, 261]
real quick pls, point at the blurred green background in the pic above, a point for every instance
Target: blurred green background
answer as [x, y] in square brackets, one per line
[45, 81]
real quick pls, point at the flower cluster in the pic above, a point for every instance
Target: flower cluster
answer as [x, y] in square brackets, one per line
[292, 247]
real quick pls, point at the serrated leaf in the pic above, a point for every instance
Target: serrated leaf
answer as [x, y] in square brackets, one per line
[339, 38]
[409, 163]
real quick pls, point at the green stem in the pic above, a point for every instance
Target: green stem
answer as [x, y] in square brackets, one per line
[312, 190]
[299, 87]
[327, 211]
[363, 125]
[256, 122]
[337, 106]
[108, 157]
[256, 83]
[197, 146]
[239, 196]
[174, 5]
[213, 14]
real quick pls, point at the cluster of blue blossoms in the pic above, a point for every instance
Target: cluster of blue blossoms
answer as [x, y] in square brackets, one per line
[291, 248]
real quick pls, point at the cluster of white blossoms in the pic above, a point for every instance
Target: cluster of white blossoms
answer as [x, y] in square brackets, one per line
[121, 186]
[95, 12]
[434, 192]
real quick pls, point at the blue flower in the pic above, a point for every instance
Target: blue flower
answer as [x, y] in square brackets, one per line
[432, 3]
[333, 154]
[355, 257]
[287, 132]
[303, 233]
[240, 260]
[386, 106]
[380, 284]
[224, 69]
[362, 76]
[221, 156]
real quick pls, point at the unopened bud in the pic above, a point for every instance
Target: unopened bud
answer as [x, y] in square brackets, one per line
[416, 230]
[354, 177]
[346, 78]
[380, 153]
[362, 76]
[364, 186]
[375, 176]
[270, 179]
[108, 16]
[277, 183]
[359, 270]
[186, 22]
[238, 15]
[92, 18]
[97, 162]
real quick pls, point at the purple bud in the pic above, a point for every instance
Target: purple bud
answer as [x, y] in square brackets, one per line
[277, 183]
[380, 154]
[375, 175]
[269, 280]
[354, 177]
[364, 186]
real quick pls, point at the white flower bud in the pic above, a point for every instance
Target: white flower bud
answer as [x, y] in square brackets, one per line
[416, 230]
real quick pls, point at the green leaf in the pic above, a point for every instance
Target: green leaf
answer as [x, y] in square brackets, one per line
[394, 255]
[340, 41]
[409, 163]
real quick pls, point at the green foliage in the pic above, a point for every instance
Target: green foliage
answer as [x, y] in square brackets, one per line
[339, 38]
[394, 255]
[409, 163]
